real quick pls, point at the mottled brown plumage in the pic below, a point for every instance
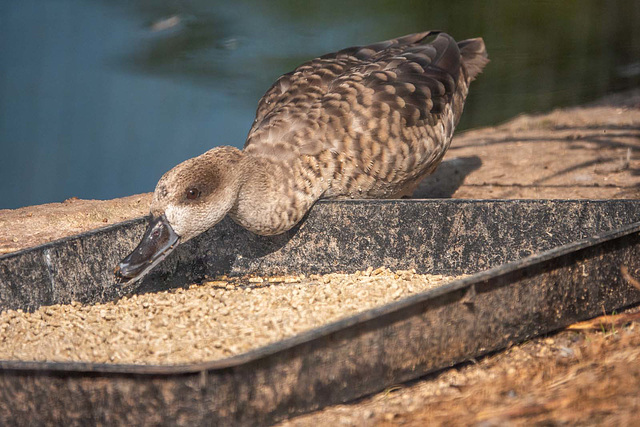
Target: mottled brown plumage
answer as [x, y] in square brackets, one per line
[364, 122]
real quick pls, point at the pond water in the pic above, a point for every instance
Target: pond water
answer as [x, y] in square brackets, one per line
[98, 98]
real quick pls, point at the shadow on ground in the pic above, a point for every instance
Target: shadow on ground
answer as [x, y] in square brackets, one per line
[446, 180]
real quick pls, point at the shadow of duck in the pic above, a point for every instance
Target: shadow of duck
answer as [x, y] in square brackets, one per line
[446, 180]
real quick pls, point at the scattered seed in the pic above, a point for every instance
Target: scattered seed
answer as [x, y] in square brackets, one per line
[220, 318]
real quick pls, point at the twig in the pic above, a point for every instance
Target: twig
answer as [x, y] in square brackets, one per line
[609, 321]
[625, 273]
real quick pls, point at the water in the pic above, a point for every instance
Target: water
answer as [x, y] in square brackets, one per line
[98, 98]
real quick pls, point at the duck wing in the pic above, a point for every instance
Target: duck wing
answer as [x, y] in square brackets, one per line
[388, 108]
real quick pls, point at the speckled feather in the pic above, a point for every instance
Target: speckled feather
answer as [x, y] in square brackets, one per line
[368, 121]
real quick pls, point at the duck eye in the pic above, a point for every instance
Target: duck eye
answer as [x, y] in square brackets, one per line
[193, 193]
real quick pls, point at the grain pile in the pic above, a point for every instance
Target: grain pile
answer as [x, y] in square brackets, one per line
[214, 320]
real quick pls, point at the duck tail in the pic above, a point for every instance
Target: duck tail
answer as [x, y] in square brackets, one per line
[474, 56]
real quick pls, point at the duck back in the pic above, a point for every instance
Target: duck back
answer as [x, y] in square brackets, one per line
[367, 121]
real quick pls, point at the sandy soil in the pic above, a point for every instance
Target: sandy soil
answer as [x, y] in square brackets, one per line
[578, 153]
[35, 225]
[587, 375]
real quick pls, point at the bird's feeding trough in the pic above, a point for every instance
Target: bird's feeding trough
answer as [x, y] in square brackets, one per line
[535, 266]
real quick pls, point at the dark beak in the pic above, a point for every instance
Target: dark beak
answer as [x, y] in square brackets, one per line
[158, 242]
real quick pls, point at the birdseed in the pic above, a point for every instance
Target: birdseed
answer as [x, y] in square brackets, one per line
[216, 319]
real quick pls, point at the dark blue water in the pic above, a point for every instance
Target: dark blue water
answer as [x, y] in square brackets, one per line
[98, 98]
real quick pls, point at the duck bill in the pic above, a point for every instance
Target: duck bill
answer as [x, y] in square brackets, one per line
[158, 241]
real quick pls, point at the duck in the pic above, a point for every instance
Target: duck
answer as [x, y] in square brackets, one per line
[363, 122]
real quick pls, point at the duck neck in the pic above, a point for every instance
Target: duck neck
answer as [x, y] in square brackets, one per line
[274, 196]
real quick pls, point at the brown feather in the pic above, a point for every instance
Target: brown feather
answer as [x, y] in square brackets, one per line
[395, 103]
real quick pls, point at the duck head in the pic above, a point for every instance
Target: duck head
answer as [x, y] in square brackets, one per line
[188, 200]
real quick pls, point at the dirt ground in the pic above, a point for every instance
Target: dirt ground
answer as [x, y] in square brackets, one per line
[588, 375]
[35, 225]
[588, 152]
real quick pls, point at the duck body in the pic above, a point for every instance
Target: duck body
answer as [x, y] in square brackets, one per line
[364, 122]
